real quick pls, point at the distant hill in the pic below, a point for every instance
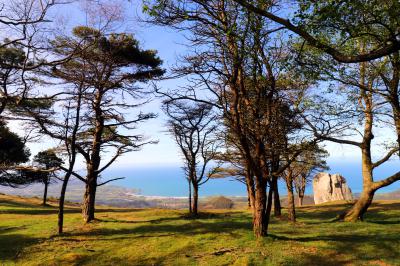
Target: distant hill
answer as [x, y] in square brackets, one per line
[126, 197]
[395, 195]
[107, 195]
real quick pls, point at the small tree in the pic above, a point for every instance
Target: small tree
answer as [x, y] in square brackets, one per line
[305, 167]
[193, 127]
[297, 175]
[47, 160]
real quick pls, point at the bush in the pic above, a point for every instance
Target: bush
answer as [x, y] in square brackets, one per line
[220, 203]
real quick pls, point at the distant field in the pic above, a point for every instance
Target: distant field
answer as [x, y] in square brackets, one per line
[167, 237]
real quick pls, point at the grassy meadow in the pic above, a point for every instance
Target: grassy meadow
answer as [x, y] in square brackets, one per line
[167, 237]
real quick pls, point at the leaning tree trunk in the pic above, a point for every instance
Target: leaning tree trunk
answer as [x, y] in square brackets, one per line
[89, 199]
[46, 184]
[62, 200]
[260, 219]
[277, 201]
[291, 206]
[195, 199]
[361, 206]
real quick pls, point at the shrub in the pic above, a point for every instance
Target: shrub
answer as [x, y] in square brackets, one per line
[220, 203]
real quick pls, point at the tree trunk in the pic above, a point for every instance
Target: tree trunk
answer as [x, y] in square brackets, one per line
[93, 164]
[277, 201]
[190, 196]
[250, 190]
[89, 199]
[195, 198]
[46, 184]
[248, 197]
[291, 206]
[358, 210]
[269, 207]
[260, 221]
[61, 206]
[301, 200]
[62, 200]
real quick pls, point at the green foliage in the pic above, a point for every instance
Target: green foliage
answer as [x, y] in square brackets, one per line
[338, 22]
[119, 51]
[11, 57]
[85, 32]
[47, 159]
[12, 147]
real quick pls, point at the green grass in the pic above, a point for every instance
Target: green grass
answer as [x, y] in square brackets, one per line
[167, 237]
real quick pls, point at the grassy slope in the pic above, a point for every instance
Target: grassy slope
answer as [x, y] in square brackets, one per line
[166, 237]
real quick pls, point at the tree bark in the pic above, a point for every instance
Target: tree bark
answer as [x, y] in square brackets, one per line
[260, 221]
[93, 161]
[269, 207]
[61, 205]
[195, 199]
[190, 196]
[358, 210]
[277, 201]
[360, 207]
[62, 200]
[46, 184]
[250, 190]
[291, 206]
[301, 200]
[89, 198]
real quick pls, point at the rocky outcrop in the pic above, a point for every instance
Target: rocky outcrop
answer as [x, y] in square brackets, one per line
[329, 187]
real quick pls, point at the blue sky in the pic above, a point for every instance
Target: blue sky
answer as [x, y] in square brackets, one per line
[169, 45]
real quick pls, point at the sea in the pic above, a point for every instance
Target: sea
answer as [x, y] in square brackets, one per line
[169, 180]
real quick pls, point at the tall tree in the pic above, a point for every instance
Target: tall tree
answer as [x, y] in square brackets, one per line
[361, 114]
[62, 123]
[237, 59]
[193, 127]
[109, 67]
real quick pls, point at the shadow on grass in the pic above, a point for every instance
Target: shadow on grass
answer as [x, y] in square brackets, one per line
[184, 217]
[38, 211]
[377, 213]
[344, 246]
[11, 245]
[10, 203]
[323, 213]
[166, 226]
